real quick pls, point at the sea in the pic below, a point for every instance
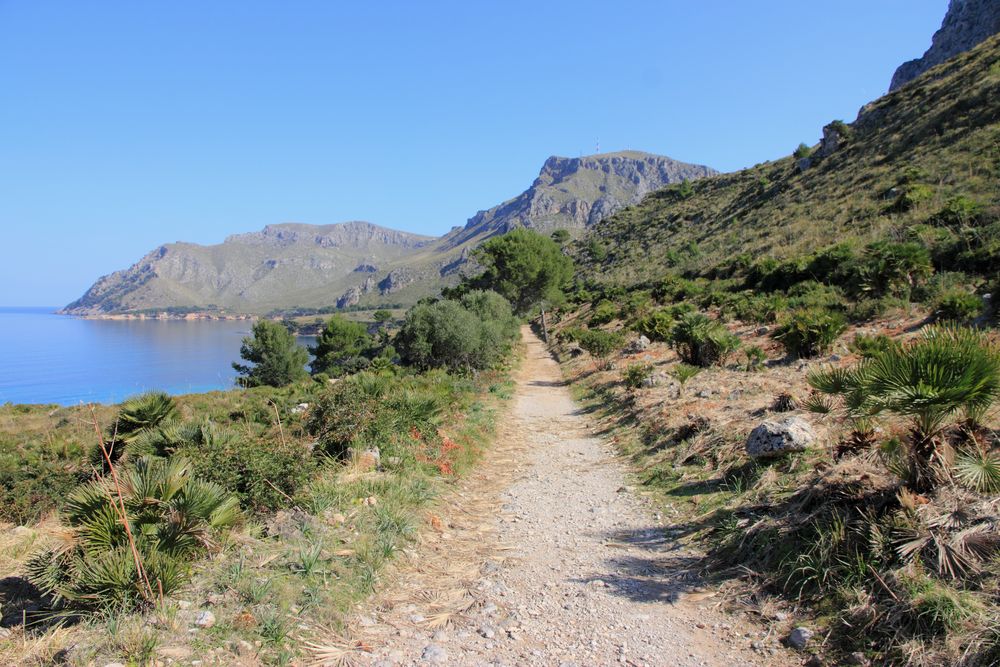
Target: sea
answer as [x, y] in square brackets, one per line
[57, 359]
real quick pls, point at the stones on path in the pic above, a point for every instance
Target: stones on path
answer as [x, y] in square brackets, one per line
[799, 638]
[434, 654]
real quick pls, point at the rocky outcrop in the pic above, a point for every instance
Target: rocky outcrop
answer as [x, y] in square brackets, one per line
[967, 23]
[576, 193]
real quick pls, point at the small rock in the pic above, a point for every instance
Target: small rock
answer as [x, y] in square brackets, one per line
[366, 621]
[763, 331]
[440, 636]
[434, 654]
[772, 439]
[370, 501]
[834, 357]
[858, 658]
[5, 632]
[640, 344]
[799, 638]
[215, 599]
[369, 459]
[299, 409]
[780, 616]
[487, 631]
[204, 619]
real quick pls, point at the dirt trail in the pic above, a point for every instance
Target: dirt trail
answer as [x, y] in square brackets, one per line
[543, 558]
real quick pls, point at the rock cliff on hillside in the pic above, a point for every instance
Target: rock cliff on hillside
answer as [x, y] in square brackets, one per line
[575, 193]
[967, 23]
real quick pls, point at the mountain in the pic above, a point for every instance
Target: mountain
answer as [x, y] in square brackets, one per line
[291, 265]
[919, 164]
[967, 23]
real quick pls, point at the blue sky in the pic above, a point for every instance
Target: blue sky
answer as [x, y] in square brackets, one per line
[124, 125]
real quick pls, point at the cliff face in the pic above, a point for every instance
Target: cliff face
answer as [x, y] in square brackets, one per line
[967, 23]
[576, 193]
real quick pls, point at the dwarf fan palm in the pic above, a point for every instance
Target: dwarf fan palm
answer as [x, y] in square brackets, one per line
[171, 516]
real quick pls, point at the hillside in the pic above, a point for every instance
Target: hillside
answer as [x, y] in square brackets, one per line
[920, 163]
[289, 266]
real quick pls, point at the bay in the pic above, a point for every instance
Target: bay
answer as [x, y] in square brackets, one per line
[49, 358]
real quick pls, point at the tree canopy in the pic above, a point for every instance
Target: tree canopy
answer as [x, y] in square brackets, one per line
[274, 357]
[342, 347]
[524, 267]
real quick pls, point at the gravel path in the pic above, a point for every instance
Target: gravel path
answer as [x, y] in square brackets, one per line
[545, 558]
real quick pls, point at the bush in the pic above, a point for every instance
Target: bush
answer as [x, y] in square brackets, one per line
[960, 211]
[701, 341]
[635, 374]
[755, 358]
[802, 151]
[810, 332]
[957, 305]
[368, 411]
[600, 344]
[475, 333]
[170, 514]
[871, 346]
[603, 312]
[657, 325]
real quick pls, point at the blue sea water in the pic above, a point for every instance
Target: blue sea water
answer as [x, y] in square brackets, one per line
[49, 358]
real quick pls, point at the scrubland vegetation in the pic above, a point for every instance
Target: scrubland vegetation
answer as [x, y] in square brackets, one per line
[854, 288]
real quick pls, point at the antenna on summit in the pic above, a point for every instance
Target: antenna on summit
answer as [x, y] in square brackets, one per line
[597, 149]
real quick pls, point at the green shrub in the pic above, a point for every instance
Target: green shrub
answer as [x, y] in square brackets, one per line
[958, 305]
[755, 358]
[474, 333]
[170, 515]
[656, 325]
[342, 347]
[135, 416]
[810, 332]
[802, 151]
[871, 346]
[960, 211]
[601, 344]
[604, 311]
[635, 374]
[701, 341]
[374, 411]
[263, 471]
[682, 373]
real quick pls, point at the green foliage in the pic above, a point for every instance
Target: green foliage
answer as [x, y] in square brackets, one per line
[342, 347]
[701, 341]
[870, 346]
[979, 469]
[596, 250]
[261, 470]
[683, 372]
[600, 344]
[524, 267]
[635, 374]
[368, 411]
[810, 331]
[685, 190]
[802, 151]
[171, 515]
[949, 370]
[960, 211]
[957, 305]
[604, 311]
[274, 357]
[656, 326]
[755, 358]
[382, 316]
[477, 332]
[135, 416]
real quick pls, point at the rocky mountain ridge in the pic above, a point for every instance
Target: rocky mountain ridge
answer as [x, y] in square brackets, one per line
[292, 265]
[967, 23]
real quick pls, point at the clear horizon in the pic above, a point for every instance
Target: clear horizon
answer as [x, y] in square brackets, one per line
[125, 126]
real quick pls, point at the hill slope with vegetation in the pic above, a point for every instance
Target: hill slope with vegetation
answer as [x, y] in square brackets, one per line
[918, 165]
